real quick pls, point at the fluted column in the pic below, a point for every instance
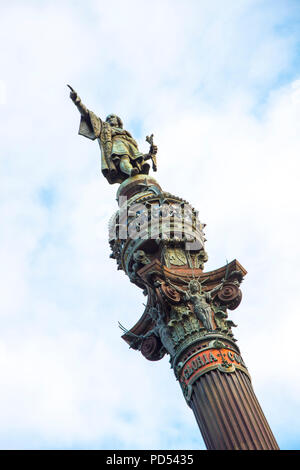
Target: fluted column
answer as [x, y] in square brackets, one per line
[186, 315]
[228, 413]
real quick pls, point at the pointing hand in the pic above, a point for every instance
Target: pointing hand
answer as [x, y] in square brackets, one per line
[73, 94]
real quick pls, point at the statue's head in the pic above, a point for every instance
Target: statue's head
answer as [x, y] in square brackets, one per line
[194, 286]
[114, 121]
[139, 255]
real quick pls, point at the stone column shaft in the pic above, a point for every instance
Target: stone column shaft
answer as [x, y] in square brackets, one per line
[228, 413]
[186, 316]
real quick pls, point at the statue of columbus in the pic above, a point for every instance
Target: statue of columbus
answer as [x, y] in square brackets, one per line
[120, 156]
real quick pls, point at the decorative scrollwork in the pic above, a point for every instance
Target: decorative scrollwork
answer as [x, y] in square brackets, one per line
[230, 295]
[152, 348]
[172, 294]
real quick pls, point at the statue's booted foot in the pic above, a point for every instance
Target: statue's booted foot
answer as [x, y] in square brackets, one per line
[134, 172]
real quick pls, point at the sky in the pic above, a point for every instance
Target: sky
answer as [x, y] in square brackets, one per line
[218, 84]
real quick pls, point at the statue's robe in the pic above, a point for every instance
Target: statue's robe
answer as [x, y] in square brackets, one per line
[114, 143]
[202, 308]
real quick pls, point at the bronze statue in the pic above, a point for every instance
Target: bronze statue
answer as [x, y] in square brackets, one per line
[120, 156]
[200, 301]
[161, 330]
[156, 238]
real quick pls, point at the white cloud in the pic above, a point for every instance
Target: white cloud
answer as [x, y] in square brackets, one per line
[3, 92]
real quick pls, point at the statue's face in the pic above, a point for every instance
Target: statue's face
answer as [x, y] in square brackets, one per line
[112, 120]
[139, 254]
[194, 287]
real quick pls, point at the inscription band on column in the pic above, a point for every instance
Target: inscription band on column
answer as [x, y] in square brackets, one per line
[224, 359]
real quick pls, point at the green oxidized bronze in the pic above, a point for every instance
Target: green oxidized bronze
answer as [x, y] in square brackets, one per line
[157, 239]
[120, 156]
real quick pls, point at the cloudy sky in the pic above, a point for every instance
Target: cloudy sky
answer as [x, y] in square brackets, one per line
[218, 84]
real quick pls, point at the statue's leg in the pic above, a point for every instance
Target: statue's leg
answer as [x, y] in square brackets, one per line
[201, 317]
[209, 319]
[126, 167]
[204, 316]
[145, 168]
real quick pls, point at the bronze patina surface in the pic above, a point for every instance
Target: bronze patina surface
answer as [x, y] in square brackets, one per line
[120, 156]
[157, 239]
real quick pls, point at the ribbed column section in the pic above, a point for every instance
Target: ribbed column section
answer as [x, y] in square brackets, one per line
[228, 413]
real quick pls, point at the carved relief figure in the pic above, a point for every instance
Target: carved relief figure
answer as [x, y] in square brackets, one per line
[200, 301]
[176, 256]
[140, 259]
[162, 330]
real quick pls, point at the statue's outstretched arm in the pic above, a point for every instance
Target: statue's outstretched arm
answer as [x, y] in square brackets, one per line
[184, 292]
[78, 103]
[217, 288]
[213, 291]
[175, 287]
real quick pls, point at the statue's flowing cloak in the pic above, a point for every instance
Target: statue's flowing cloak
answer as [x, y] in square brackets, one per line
[113, 141]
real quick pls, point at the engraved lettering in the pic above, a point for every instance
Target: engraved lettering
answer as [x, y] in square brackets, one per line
[237, 358]
[230, 356]
[205, 359]
[200, 363]
[212, 358]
